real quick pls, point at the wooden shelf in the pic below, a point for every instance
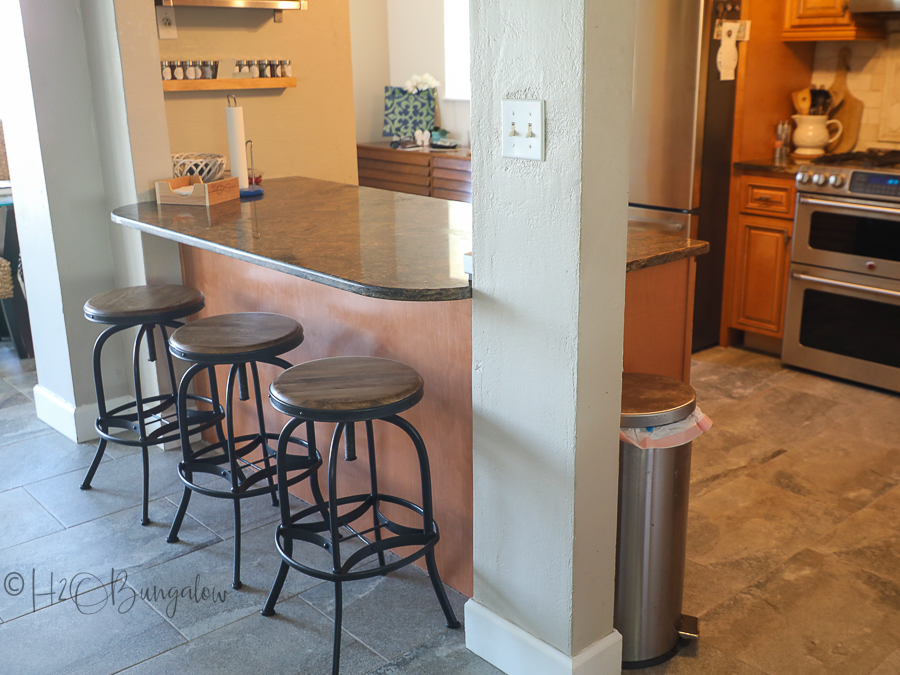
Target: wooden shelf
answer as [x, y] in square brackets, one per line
[230, 83]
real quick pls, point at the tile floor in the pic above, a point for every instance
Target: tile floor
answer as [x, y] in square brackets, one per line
[793, 551]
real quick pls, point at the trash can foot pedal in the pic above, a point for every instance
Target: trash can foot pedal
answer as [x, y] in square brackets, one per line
[689, 627]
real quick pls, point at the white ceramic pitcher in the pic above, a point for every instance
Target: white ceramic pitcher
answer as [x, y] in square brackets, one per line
[811, 134]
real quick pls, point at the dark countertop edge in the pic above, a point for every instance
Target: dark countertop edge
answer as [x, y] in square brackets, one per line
[380, 292]
[691, 249]
[767, 166]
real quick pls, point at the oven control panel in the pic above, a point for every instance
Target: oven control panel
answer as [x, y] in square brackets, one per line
[880, 184]
[849, 182]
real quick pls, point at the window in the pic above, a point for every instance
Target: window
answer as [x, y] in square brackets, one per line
[456, 50]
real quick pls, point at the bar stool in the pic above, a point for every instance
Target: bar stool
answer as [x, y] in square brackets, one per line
[146, 308]
[237, 340]
[346, 390]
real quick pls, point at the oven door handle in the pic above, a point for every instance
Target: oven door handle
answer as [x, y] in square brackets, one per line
[844, 205]
[844, 284]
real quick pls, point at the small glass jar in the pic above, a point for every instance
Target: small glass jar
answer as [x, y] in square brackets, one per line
[238, 65]
[245, 67]
[166, 70]
[254, 68]
[207, 70]
[287, 71]
[178, 70]
[265, 68]
[192, 70]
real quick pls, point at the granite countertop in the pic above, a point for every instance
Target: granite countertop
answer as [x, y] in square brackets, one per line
[371, 242]
[767, 166]
[648, 248]
[376, 243]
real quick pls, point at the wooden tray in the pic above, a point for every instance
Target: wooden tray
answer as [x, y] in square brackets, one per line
[203, 194]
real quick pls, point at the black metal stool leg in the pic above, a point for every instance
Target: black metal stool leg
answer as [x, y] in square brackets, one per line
[236, 581]
[142, 426]
[335, 544]
[338, 620]
[185, 450]
[428, 516]
[262, 431]
[373, 478]
[287, 542]
[101, 404]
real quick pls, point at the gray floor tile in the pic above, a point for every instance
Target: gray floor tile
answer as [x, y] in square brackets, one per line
[11, 396]
[11, 364]
[443, 654]
[41, 457]
[116, 486]
[71, 638]
[24, 383]
[117, 541]
[391, 614]
[296, 641]
[212, 568]
[22, 518]
[19, 422]
[218, 514]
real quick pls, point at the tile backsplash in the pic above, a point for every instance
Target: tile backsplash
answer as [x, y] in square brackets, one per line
[874, 78]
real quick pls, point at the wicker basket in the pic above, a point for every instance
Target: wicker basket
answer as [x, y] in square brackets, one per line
[6, 279]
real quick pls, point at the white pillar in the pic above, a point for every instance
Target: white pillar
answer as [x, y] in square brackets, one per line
[549, 252]
[66, 109]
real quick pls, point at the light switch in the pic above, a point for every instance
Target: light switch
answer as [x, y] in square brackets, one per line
[523, 129]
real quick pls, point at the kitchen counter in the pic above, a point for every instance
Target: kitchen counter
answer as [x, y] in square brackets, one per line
[648, 248]
[300, 248]
[766, 166]
[370, 242]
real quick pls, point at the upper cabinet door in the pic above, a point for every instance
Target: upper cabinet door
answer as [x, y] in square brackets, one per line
[809, 20]
[834, 11]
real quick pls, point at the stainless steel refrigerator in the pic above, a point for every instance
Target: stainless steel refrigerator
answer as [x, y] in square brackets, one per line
[682, 122]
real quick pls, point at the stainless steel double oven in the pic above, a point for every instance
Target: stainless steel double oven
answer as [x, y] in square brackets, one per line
[843, 305]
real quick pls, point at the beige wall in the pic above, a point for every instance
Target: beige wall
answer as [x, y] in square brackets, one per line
[371, 66]
[869, 79]
[307, 131]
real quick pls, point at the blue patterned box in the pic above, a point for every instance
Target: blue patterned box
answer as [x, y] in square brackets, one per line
[405, 112]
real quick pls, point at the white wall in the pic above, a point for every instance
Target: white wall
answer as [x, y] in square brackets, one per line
[371, 65]
[71, 155]
[549, 255]
[412, 32]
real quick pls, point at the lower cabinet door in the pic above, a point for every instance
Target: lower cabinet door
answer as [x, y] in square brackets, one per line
[763, 259]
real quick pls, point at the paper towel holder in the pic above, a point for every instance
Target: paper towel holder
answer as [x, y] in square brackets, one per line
[253, 190]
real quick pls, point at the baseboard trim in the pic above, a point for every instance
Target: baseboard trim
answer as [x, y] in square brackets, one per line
[517, 652]
[73, 422]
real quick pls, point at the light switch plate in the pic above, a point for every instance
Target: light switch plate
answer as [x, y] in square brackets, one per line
[521, 113]
[165, 23]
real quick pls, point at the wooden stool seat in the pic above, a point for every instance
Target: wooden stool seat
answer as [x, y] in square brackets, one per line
[144, 304]
[368, 385]
[225, 338]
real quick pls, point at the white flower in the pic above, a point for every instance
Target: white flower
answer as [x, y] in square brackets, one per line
[419, 83]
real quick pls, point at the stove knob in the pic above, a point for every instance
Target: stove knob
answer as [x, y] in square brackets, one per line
[803, 177]
[837, 180]
[819, 178]
[871, 266]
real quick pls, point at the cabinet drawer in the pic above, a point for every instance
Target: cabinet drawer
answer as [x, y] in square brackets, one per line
[393, 177]
[453, 163]
[767, 196]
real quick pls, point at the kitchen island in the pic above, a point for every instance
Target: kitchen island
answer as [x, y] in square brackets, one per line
[378, 273]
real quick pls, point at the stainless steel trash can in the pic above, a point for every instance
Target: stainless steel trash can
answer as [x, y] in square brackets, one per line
[652, 532]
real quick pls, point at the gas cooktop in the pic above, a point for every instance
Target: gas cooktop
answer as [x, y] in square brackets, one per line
[873, 174]
[874, 157]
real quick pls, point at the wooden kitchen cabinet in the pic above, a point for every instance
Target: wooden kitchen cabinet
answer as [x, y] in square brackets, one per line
[446, 175]
[763, 259]
[813, 20]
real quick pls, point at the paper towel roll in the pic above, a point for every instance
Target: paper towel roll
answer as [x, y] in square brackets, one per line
[234, 119]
